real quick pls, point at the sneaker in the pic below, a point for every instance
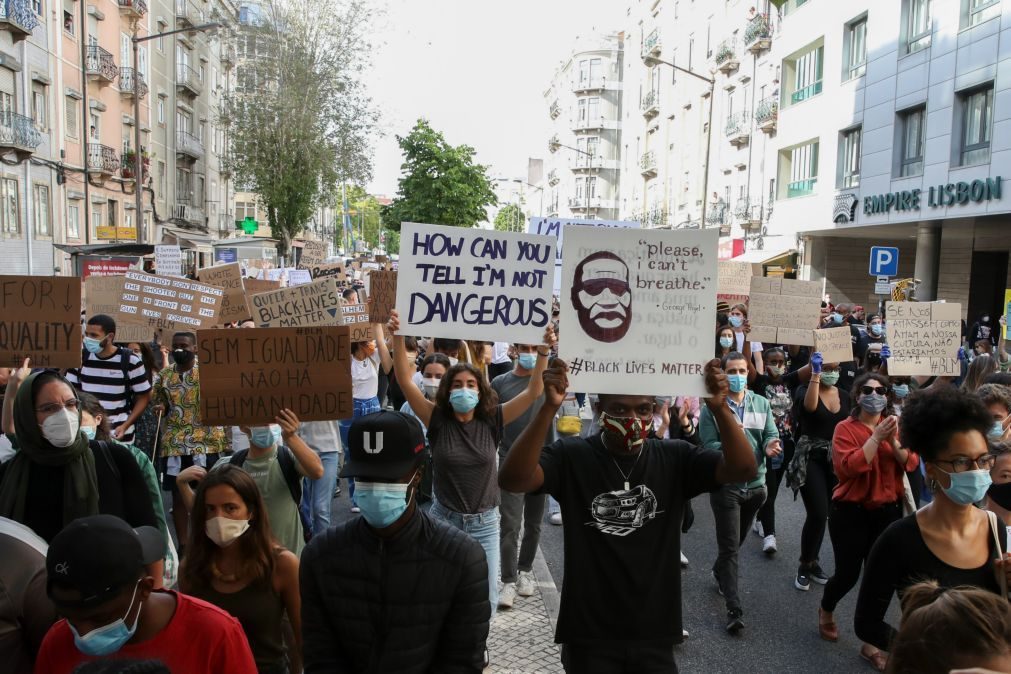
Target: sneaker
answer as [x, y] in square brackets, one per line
[757, 528]
[716, 579]
[734, 622]
[802, 582]
[487, 658]
[815, 573]
[769, 544]
[684, 634]
[555, 518]
[526, 584]
[355, 509]
[684, 561]
[507, 595]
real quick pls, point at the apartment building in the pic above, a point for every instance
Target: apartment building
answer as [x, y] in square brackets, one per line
[584, 101]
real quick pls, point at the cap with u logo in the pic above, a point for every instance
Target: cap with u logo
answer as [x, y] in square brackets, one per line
[384, 446]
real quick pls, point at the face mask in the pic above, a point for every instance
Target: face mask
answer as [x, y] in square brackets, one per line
[900, 390]
[61, 429]
[996, 431]
[986, 319]
[630, 429]
[737, 382]
[431, 385]
[830, 378]
[873, 403]
[369, 349]
[265, 436]
[382, 503]
[92, 345]
[777, 370]
[464, 400]
[877, 329]
[736, 321]
[1000, 494]
[725, 342]
[968, 487]
[183, 357]
[837, 318]
[528, 361]
[89, 432]
[224, 531]
[453, 361]
[109, 638]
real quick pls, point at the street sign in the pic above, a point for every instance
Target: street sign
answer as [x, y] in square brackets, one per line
[884, 261]
[883, 286]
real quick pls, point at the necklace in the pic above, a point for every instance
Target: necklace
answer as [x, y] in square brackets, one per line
[624, 475]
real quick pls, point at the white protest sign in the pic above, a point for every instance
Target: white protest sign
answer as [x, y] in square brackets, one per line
[834, 344]
[924, 338]
[299, 277]
[474, 283]
[735, 279]
[637, 308]
[555, 226]
[784, 311]
[168, 260]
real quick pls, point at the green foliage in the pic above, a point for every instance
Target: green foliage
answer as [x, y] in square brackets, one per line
[510, 219]
[440, 184]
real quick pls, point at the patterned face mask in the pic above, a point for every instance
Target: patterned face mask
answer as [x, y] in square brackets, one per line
[631, 430]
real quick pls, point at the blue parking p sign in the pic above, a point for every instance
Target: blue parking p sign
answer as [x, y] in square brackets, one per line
[884, 261]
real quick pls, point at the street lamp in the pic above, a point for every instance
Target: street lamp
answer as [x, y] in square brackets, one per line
[138, 160]
[651, 61]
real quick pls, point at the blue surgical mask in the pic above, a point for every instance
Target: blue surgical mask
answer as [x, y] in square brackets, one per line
[527, 361]
[725, 342]
[92, 345]
[738, 382]
[265, 436]
[996, 431]
[464, 400]
[877, 329]
[968, 487]
[837, 318]
[107, 639]
[736, 321]
[900, 390]
[89, 432]
[873, 403]
[382, 503]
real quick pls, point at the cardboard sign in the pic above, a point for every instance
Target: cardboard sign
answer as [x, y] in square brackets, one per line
[638, 308]
[248, 376]
[784, 311]
[40, 318]
[316, 303]
[382, 293]
[735, 279]
[170, 303]
[298, 277]
[835, 344]
[555, 227]
[103, 295]
[1007, 312]
[255, 286]
[356, 316]
[313, 254]
[168, 260]
[474, 283]
[228, 277]
[924, 338]
[334, 271]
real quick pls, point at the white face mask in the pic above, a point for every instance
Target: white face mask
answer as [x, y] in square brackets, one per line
[431, 385]
[453, 361]
[225, 531]
[61, 429]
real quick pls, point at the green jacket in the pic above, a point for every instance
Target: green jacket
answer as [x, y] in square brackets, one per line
[759, 428]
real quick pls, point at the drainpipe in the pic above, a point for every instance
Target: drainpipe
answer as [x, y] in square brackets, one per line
[29, 229]
[83, 32]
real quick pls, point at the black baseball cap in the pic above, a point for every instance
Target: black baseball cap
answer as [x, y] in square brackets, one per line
[98, 556]
[384, 445]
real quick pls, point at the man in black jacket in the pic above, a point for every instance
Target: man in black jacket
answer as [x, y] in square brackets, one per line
[393, 591]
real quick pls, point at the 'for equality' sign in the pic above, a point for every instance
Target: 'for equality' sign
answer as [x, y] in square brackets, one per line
[40, 318]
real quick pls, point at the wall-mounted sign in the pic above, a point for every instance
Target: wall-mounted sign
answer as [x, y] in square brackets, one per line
[952, 194]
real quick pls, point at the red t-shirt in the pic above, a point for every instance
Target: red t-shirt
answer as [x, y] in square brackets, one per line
[874, 484]
[199, 639]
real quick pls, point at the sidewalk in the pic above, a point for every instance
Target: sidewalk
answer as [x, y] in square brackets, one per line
[522, 638]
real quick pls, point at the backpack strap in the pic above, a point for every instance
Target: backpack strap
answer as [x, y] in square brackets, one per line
[286, 460]
[238, 458]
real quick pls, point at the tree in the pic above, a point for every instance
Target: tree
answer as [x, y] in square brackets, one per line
[300, 122]
[510, 219]
[440, 184]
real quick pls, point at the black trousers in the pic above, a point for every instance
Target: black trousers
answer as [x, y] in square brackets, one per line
[619, 659]
[853, 529]
[817, 495]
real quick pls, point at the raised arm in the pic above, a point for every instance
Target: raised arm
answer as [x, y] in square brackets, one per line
[521, 471]
[814, 386]
[17, 375]
[513, 409]
[384, 351]
[404, 369]
[308, 461]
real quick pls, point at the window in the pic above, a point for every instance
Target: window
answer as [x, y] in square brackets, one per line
[68, 22]
[10, 208]
[596, 72]
[40, 208]
[591, 188]
[96, 127]
[977, 118]
[913, 135]
[807, 74]
[71, 114]
[161, 111]
[161, 179]
[980, 11]
[39, 106]
[917, 25]
[96, 219]
[582, 110]
[593, 109]
[73, 221]
[856, 48]
[803, 170]
[850, 157]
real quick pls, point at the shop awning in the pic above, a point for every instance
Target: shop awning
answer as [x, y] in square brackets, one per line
[765, 256]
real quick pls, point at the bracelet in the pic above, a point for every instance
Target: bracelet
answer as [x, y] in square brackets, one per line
[544, 353]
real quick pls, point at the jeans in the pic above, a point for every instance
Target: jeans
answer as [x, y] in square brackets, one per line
[363, 406]
[317, 495]
[483, 528]
[853, 530]
[528, 508]
[767, 515]
[618, 659]
[553, 506]
[817, 496]
[734, 509]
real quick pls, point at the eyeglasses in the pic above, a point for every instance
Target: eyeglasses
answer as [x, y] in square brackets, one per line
[53, 408]
[867, 390]
[963, 463]
[597, 286]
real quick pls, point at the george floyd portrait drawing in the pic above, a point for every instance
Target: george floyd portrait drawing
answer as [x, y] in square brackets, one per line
[602, 297]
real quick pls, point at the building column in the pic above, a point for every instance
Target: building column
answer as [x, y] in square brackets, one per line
[928, 253]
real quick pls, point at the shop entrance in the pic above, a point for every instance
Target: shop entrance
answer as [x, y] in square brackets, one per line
[987, 282]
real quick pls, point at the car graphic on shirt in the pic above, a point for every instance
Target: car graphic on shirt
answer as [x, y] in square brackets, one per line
[629, 508]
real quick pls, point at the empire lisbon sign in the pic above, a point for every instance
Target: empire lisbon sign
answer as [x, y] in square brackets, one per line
[941, 195]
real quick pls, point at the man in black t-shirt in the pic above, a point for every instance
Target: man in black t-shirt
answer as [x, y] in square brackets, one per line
[622, 496]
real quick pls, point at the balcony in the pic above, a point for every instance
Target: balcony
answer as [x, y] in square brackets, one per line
[553, 144]
[136, 8]
[805, 93]
[187, 80]
[716, 214]
[188, 146]
[553, 177]
[598, 123]
[586, 85]
[191, 214]
[651, 46]
[18, 17]
[128, 165]
[185, 16]
[100, 65]
[758, 34]
[767, 114]
[126, 83]
[18, 133]
[654, 217]
[552, 209]
[554, 110]
[580, 203]
[227, 56]
[650, 105]
[801, 188]
[102, 159]
[647, 164]
[738, 128]
[726, 56]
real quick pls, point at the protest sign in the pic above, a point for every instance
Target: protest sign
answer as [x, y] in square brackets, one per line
[255, 286]
[474, 283]
[924, 338]
[555, 227]
[298, 277]
[784, 311]
[170, 303]
[313, 254]
[334, 271]
[102, 295]
[248, 376]
[638, 307]
[168, 260]
[316, 303]
[356, 316]
[1007, 312]
[382, 295]
[40, 318]
[835, 344]
[735, 281]
[228, 277]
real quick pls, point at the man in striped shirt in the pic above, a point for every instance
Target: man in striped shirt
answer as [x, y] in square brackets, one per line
[122, 386]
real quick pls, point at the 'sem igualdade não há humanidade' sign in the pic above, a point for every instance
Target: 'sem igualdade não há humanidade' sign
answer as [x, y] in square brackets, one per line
[942, 195]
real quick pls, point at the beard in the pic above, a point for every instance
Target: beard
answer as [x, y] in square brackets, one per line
[600, 333]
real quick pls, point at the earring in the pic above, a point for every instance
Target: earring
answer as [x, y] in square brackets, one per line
[932, 485]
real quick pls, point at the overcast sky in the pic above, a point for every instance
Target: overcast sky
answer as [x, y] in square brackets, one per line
[477, 70]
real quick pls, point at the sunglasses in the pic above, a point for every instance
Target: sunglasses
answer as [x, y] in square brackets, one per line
[599, 285]
[867, 390]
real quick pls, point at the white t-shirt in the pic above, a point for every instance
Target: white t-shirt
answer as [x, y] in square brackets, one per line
[365, 377]
[322, 437]
[755, 346]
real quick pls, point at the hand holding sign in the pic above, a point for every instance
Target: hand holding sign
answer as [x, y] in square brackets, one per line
[556, 383]
[716, 384]
[288, 421]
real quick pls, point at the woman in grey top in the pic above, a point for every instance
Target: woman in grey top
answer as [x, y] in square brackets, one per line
[464, 424]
